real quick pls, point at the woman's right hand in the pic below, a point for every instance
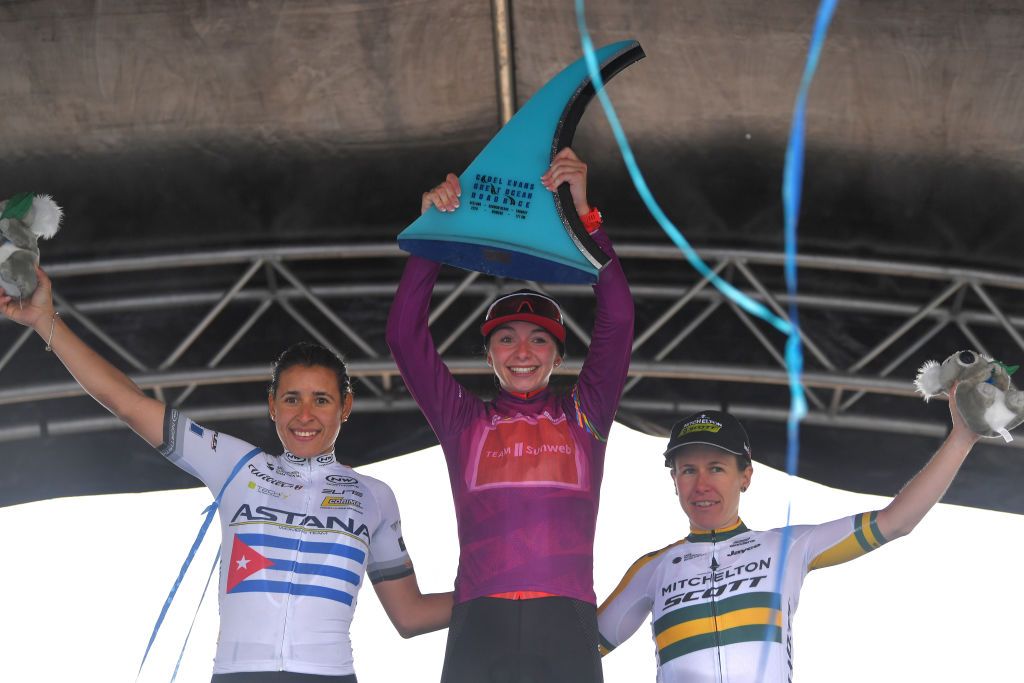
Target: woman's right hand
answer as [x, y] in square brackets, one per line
[445, 196]
[34, 311]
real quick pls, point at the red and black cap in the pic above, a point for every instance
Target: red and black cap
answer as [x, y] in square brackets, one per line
[528, 306]
[709, 428]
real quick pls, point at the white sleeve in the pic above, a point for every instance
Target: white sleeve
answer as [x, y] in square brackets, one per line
[622, 612]
[388, 557]
[204, 453]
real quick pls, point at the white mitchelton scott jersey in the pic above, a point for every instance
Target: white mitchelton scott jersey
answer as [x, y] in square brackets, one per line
[298, 535]
[720, 610]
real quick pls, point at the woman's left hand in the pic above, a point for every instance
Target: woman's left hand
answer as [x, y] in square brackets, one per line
[568, 168]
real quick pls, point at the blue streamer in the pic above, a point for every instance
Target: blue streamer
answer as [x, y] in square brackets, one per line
[793, 174]
[791, 186]
[742, 300]
[210, 511]
[177, 665]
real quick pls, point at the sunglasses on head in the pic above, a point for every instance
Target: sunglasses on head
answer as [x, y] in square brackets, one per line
[519, 303]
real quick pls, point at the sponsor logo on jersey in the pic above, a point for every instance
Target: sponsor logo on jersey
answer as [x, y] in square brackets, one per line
[297, 520]
[213, 441]
[343, 492]
[733, 553]
[270, 480]
[265, 491]
[342, 502]
[196, 429]
[401, 546]
[294, 458]
[741, 541]
[282, 471]
[715, 584]
[341, 480]
[789, 637]
[692, 556]
[325, 459]
[528, 450]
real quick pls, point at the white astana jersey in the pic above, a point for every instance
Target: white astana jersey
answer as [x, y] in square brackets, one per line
[720, 609]
[298, 536]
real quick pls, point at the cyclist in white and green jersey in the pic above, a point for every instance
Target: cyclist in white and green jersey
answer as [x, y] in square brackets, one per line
[720, 605]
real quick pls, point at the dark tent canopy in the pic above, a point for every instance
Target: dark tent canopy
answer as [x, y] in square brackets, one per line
[234, 178]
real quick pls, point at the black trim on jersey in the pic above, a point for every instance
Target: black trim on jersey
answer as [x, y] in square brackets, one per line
[391, 573]
[171, 416]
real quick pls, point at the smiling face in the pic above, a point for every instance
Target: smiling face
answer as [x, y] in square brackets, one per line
[308, 409]
[523, 355]
[708, 482]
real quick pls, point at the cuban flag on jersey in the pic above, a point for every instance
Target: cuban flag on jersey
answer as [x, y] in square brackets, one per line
[260, 564]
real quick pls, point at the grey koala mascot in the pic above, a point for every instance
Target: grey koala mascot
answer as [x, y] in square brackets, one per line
[985, 396]
[24, 218]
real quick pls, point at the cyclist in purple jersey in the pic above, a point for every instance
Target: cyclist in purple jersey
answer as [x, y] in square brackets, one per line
[300, 529]
[526, 467]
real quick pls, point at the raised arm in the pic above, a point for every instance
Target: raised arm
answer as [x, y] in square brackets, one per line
[929, 485]
[412, 612]
[604, 370]
[109, 386]
[440, 397]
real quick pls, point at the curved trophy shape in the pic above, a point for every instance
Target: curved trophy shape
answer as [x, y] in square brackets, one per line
[508, 224]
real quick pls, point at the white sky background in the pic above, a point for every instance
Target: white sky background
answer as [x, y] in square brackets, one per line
[83, 580]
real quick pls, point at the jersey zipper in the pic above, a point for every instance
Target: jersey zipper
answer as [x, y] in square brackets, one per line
[714, 608]
[307, 482]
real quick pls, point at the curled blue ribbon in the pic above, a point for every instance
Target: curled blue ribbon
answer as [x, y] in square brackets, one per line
[791, 188]
[209, 513]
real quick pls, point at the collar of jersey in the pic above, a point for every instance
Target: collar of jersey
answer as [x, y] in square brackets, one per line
[528, 396]
[312, 461]
[702, 536]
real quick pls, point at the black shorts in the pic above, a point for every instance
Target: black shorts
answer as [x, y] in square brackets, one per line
[541, 640]
[279, 677]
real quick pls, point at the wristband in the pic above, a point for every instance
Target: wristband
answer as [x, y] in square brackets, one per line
[592, 219]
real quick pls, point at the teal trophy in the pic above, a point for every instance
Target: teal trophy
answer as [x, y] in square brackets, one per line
[509, 225]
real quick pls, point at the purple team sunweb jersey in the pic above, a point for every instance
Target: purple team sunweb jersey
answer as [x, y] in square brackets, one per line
[525, 472]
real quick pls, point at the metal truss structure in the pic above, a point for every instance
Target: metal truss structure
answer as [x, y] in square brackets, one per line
[920, 302]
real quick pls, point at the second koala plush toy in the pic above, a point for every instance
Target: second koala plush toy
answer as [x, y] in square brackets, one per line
[985, 396]
[24, 219]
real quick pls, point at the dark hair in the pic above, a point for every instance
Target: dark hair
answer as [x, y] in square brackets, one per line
[310, 355]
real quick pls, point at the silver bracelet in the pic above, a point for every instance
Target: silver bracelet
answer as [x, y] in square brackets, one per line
[53, 324]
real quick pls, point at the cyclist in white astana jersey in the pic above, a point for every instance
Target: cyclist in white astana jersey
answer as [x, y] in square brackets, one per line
[299, 529]
[298, 534]
[720, 609]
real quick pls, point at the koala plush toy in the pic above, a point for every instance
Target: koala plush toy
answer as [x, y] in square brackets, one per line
[24, 218]
[985, 396]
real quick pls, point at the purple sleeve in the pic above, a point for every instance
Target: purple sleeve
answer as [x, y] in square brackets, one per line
[443, 401]
[600, 383]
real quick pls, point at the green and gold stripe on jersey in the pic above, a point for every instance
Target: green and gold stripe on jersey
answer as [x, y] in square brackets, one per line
[865, 538]
[752, 617]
